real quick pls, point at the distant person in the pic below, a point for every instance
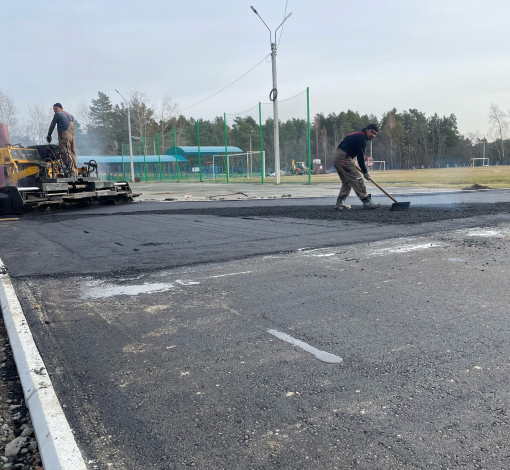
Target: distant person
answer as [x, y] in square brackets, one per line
[351, 175]
[65, 129]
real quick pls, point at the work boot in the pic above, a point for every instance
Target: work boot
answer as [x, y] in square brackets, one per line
[340, 204]
[368, 204]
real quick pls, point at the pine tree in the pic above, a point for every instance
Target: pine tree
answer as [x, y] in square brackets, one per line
[101, 128]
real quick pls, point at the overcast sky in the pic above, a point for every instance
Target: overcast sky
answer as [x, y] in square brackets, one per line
[444, 56]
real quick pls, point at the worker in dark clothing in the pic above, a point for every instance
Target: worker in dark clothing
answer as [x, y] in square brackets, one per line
[352, 148]
[65, 129]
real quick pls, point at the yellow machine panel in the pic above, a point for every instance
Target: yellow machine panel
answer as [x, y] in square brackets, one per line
[19, 163]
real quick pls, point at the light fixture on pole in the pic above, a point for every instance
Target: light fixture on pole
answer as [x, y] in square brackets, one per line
[273, 96]
[128, 105]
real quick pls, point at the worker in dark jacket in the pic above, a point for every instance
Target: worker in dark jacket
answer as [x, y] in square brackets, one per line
[350, 150]
[65, 129]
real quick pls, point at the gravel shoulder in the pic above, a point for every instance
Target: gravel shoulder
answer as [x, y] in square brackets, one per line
[18, 448]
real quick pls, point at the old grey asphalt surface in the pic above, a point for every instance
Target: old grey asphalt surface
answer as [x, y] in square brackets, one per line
[154, 327]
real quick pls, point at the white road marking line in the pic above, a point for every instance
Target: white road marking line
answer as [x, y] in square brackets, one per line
[321, 355]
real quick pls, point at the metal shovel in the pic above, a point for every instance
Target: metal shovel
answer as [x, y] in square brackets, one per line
[396, 206]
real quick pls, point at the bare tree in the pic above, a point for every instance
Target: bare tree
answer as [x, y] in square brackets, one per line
[499, 122]
[167, 111]
[474, 137]
[493, 138]
[388, 131]
[337, 135]
[142, 114]
[83, 114]
[8, 113]
[39, 121]
[317, 128]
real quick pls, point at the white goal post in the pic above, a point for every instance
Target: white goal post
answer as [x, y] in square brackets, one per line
[472, 161]
[247, 157]
[379, 161]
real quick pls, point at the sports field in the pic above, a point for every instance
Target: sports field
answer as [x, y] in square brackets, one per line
[496, 177]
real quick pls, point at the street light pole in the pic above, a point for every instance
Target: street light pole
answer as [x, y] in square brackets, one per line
[276, 127]
[128, 105]
[273, 96]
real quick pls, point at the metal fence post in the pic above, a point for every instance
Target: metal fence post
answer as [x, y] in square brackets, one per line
[159, 154]
[122, 152]
[308, 133]
[261, 146]
[144, 159]
[175, 153]
[226, 149]
[198, 142]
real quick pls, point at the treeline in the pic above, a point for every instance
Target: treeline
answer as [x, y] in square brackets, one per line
[406, 139]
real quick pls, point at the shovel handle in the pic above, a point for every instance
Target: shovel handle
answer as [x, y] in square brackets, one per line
[387, 194]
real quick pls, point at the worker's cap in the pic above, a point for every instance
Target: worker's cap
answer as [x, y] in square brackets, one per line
[375, 127]
[58, 105]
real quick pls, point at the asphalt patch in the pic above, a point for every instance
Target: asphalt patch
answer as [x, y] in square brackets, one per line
[416, 214]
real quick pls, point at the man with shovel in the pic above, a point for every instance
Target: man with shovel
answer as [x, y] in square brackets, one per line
[351, 175]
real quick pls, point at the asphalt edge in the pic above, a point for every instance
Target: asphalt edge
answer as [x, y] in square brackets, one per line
[57, 446]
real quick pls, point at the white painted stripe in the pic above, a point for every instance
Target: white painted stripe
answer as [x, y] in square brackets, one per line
[231, 274]
[321, 355]
[55, 439]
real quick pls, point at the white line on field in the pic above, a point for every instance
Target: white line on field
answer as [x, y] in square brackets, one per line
[321, 355]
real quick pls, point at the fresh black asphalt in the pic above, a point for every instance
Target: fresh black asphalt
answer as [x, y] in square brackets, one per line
[185, 374]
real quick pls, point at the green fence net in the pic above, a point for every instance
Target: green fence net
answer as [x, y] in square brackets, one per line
[293, 131]
[246, 162]
[235, 147]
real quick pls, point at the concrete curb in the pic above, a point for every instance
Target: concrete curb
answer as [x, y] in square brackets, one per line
[55, 439]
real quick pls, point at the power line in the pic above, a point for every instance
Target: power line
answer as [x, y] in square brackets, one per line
[196, 104]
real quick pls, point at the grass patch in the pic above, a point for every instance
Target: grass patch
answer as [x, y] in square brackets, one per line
[454, 178]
